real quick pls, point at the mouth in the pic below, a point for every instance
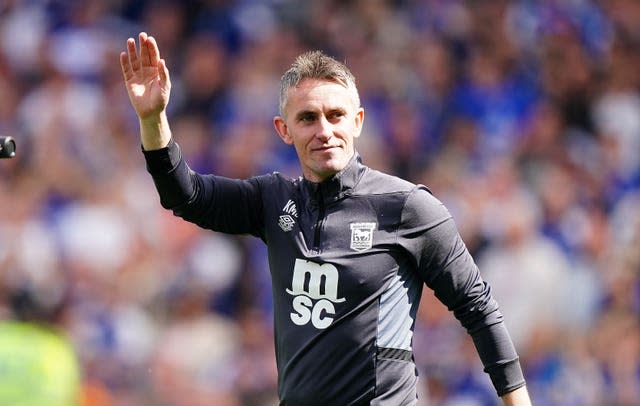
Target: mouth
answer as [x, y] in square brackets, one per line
[324, 148]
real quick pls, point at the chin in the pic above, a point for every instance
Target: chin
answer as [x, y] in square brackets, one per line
[334, 166]
[329, 166]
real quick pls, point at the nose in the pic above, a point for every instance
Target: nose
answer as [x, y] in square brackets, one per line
[325, 129]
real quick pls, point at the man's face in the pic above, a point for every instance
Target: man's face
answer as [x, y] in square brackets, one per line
[321, 121]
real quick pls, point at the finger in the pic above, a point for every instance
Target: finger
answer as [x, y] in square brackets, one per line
[126, 67]
[133, 54]
[154, 52]
[144, 49]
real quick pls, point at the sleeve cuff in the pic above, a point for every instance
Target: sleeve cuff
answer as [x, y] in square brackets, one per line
[499, 357]
[506, 377]
[164, 160]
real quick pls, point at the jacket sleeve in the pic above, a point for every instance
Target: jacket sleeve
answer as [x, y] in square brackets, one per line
[430, 235]
[212, 202]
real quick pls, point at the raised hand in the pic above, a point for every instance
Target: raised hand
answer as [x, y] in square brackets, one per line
[146, 77]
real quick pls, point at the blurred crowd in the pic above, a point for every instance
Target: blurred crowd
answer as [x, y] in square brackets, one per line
[523, 117]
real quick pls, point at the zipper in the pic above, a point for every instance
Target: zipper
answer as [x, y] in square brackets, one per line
[316, 234]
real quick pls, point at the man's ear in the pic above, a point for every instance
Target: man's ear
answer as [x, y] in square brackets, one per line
[282, 129]
[359, 121]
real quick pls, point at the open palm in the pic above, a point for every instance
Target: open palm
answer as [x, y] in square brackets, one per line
[146, 77]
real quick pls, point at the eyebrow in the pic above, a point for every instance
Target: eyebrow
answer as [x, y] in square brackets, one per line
[338, 110]
[307, 112]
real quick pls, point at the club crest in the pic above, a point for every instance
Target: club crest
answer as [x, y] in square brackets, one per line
[362, 236]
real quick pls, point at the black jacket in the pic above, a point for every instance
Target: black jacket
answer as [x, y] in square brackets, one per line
[348, 259]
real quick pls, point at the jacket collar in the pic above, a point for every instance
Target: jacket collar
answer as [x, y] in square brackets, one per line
[338, 185]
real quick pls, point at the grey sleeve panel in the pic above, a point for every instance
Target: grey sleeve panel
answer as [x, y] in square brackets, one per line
[430, 235]
[212, 202]
[398, 308]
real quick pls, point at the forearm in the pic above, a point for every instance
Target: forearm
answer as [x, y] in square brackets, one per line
[518, 397]
[155, 132]
[171, 175]
[499, 357]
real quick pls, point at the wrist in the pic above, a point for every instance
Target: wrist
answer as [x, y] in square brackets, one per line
[518, 397]
[154, 131]
[153, 119]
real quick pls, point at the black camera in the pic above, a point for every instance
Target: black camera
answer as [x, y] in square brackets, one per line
[7, 147]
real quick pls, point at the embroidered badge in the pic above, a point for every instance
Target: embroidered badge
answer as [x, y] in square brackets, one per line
[362, 236]
[287, 221]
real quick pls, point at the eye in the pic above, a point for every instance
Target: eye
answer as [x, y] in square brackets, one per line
[307, 117]
[335, 115]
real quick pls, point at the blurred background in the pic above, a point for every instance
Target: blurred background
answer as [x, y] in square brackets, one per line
[523, 117]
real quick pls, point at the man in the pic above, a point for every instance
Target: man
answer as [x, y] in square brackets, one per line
[349, 247]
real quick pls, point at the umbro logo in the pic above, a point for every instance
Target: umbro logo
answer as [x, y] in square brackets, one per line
[287, 221]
